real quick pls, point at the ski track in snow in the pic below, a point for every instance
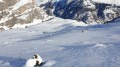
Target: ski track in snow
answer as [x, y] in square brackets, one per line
[62, 44]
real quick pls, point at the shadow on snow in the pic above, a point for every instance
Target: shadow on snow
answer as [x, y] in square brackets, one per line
[15, 62]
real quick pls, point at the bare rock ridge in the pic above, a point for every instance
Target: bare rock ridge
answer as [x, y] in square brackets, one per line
[20, 13]
[88, 11]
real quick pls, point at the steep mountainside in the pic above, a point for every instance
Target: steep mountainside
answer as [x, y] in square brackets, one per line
[88, 11]
[20, 13]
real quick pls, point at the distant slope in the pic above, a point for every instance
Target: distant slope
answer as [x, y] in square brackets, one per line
[88, 11]
[116, 2]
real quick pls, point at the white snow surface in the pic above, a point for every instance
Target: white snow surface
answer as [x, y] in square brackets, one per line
[117, 2]
[50, 63]
[62, 43]
[1, 1]
[36, 21]
[21, 3]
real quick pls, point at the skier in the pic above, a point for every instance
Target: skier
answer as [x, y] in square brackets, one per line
[36, 61]
[37, 64]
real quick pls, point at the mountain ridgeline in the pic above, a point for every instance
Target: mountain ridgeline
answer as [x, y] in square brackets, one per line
[87, 11]
[23, 13]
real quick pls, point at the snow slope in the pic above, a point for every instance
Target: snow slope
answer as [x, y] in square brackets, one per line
[62, 44]
[116, 2]
[21, 3]
[1, 0]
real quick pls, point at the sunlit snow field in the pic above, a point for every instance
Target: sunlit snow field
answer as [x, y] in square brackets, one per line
[62, 43]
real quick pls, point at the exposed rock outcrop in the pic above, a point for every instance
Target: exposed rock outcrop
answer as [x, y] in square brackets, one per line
[20, 13]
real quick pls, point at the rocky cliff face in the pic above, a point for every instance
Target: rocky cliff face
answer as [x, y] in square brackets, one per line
[20, 13]
[88, 11]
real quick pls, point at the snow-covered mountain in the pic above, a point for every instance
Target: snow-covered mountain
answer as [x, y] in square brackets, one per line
[116, 2]
[20, 13]
[88, 11]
